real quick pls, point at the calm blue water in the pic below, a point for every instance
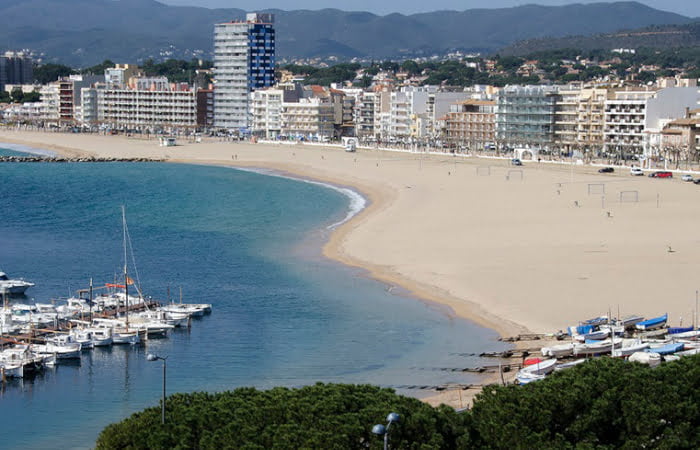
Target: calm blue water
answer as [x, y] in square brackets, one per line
[245, 242]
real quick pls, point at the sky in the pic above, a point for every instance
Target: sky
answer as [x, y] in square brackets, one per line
[690, 8]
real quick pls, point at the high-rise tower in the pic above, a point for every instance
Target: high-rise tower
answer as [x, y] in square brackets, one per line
[244, 60]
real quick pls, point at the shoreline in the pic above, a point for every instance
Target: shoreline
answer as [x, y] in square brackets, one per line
[523, 250]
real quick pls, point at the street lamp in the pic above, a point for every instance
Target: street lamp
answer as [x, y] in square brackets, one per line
[153, 357]
[382, 430]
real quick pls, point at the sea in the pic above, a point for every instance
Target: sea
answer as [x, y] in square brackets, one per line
[247, 242]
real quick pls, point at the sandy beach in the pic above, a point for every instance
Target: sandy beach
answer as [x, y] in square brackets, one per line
[517, 249]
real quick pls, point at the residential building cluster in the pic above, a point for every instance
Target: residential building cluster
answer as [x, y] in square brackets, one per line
[580, 119]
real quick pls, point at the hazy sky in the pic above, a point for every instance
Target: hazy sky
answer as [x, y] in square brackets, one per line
[689, 8]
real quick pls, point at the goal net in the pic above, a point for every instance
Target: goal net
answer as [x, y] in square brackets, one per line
[596, 188]
[629, 197]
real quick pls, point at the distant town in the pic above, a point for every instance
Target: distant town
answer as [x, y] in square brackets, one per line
[621, 104]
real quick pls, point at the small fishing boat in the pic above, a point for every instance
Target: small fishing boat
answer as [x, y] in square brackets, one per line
[569, 364]
[679, 330]
[691, 335]
[594, 347]
[652, 324]
[558, 351]
[593, 335]
[596, 321]
[525, 377]
[628, 322]
[535, 372]
[690, 352]
[628, 348]
[666, 349]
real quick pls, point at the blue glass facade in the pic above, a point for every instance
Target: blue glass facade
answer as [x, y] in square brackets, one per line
[261, 56]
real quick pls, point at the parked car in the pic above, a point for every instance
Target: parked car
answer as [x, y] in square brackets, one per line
[516, 162]
[636, 171]
[687, 177]
[606, 170]
[696, 181]
[661, 174]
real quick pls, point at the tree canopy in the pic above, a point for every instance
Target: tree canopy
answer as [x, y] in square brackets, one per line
[323, 416]
[47, 73]
[604, 403]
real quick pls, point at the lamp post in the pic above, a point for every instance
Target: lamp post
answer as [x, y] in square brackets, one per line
[382, 430]
[153, 357]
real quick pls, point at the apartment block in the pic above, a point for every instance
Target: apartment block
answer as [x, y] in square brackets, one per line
[590, 121]
[16, 68]
[635, 117]
[244, 60]
[169, 105]
[266, 111]
[308, 118]
[525, 116]
[471, 124]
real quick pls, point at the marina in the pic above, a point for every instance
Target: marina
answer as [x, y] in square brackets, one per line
[36, 337]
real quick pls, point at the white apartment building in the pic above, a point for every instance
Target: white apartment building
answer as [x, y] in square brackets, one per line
[634, 118]
[174, 106]
[309, 118]
[49, 101]
[364, 115]
[29, 111]
[266, 112]
[403, 106]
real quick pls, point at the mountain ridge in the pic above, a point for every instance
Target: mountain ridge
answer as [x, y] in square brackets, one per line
[84, 32]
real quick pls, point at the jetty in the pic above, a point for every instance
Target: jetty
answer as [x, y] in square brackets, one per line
[77, 159]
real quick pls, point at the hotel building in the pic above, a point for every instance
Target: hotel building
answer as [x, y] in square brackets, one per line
[244, 60]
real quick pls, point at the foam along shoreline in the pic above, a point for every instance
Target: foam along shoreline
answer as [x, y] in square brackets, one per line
[27, 149]
[357, 201]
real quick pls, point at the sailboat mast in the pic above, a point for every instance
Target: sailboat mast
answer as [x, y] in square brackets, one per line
[90, 300]
[126, 276]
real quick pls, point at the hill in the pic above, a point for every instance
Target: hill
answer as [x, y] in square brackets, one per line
[84, 32]
[654, 37]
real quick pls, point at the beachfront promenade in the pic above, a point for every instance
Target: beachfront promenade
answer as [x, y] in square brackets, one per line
[532, 248]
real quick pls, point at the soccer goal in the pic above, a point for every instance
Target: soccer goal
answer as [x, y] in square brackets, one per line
[629, 197]
[514, 174]
[596, 188]
[483, 171]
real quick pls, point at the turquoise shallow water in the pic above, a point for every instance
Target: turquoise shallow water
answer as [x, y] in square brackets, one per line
[245, 242]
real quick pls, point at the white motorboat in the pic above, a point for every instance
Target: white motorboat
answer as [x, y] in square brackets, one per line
[176, 319]
[191, 309]
[12, 369]
[13, 287]
[101, 337]
[83, 337]
[123, 336]
[63, 346]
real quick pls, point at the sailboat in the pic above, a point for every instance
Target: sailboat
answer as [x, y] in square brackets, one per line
[121, 331]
